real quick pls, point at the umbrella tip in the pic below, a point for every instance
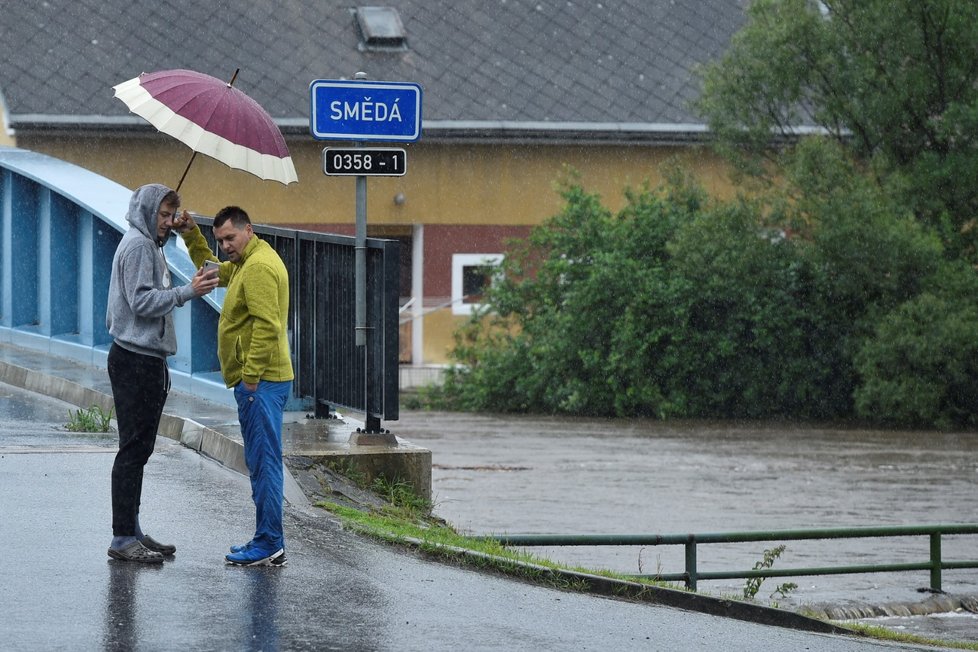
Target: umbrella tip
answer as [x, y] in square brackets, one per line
[233, 77]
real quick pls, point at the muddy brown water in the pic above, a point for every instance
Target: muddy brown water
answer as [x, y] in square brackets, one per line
[514, 474]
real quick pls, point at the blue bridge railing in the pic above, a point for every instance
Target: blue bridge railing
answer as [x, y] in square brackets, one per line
[59, 228]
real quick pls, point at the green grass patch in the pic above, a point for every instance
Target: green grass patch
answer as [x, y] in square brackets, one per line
[346, 468]
[93, 419]
[875, 631]
[401, 496]
[398, 524]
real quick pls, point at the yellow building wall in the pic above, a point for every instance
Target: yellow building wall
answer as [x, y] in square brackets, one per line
[444, 184]
[439, 328]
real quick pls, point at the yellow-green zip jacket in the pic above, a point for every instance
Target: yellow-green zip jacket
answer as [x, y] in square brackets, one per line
[252, 338]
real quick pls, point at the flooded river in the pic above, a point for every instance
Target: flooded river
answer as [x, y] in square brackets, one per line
[505, 474]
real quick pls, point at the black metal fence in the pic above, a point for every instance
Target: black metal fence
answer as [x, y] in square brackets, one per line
[330, 369]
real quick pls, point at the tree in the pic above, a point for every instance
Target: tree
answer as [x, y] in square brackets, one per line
[678, 306]
[896, 81]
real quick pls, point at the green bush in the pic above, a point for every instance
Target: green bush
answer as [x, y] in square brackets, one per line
[863, 255]
[680, 307]
[920, 367]
[741, 347]
[631, 314]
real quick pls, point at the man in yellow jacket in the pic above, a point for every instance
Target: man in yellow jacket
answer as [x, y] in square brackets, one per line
[253, 347]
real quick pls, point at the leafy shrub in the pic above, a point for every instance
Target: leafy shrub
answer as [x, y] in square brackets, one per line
[753, 584]
[920, 368]
[863, 255]
[680, 307]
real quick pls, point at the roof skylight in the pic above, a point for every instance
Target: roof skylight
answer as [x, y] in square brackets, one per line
[381, 28]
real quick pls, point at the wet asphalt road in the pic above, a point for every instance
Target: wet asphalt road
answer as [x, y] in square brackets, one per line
[59, 590]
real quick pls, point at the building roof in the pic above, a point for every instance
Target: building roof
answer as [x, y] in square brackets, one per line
[548, 69]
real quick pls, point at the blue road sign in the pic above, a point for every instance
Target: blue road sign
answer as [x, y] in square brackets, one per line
[365, 110]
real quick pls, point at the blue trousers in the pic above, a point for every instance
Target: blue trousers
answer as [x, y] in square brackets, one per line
[260, 414]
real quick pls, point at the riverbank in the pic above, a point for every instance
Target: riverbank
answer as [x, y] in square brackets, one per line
[505, 474]
[400, 518]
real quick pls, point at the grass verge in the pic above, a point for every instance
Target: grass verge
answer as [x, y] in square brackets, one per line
[402, 526]
[882, 633]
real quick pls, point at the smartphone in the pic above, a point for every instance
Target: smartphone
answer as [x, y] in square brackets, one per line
[210, 264]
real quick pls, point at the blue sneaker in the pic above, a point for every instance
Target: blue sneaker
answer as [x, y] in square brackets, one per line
[242, 547]
[254, 556]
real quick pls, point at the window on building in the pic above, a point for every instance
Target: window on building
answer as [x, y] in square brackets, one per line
[471, 275]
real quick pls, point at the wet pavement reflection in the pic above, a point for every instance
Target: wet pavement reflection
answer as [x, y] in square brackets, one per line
[121, 628]
[263, 607]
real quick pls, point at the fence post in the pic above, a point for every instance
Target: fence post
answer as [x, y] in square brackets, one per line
[935, 561]
[691, 562]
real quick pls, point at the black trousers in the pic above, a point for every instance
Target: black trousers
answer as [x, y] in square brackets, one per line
[140, 384]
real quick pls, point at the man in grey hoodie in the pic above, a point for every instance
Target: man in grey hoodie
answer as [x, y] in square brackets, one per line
[139, 318]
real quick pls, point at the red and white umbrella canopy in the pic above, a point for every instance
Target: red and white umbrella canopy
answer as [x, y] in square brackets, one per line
[213, 118]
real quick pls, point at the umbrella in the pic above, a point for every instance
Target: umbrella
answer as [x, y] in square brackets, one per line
[211, 117]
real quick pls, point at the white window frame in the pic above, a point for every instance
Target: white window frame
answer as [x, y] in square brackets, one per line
[459, 263]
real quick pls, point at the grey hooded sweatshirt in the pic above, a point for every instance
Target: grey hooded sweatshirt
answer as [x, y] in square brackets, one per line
[141, 301]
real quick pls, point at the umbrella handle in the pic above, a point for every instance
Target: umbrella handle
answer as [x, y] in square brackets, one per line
[186, 171]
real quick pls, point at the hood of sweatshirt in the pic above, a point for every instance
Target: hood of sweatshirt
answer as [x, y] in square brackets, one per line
[144, 206]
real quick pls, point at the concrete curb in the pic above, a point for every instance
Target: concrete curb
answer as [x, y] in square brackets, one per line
[189, 433]
[617, 588]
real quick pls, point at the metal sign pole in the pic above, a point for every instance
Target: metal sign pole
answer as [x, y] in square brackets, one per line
[371, 424]
[361, 260]
[361, 251]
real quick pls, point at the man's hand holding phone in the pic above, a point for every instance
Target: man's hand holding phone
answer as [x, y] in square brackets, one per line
[205, 279]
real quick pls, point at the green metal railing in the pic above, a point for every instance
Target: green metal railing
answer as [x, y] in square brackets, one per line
[935, 564]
